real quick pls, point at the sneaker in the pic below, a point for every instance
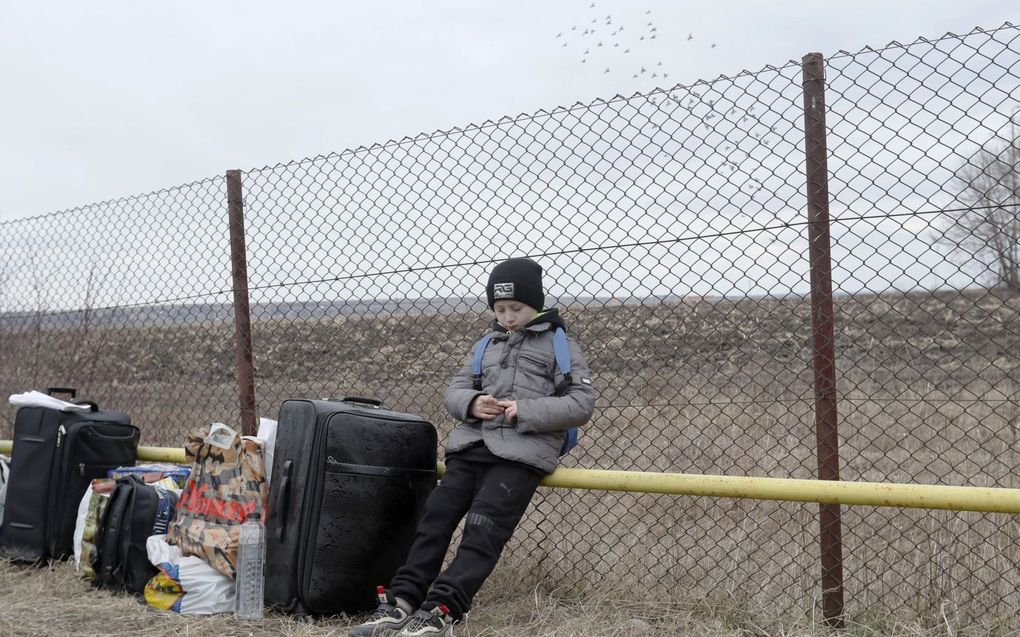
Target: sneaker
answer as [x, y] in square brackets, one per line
[391, 615]
[432, 623]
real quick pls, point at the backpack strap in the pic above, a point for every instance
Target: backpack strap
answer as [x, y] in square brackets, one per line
[562, 351]
[110, 538]
[476, 363]
[569, 441]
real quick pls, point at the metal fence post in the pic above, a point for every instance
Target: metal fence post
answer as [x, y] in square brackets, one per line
[823, 342]
[242, 316]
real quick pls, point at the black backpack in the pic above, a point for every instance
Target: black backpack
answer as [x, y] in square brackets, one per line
[135, 511]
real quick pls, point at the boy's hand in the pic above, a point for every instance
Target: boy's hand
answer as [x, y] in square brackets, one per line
[511, 409]
[486, 407]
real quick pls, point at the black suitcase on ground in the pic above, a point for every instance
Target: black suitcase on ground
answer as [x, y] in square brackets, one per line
[55, 456]
[350, 480]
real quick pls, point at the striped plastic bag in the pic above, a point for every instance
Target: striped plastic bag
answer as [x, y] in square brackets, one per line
[226, 483]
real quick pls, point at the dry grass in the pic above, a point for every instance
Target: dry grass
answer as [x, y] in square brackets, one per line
[53, 602]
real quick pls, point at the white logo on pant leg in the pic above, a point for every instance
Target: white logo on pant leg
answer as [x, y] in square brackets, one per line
[503, 290]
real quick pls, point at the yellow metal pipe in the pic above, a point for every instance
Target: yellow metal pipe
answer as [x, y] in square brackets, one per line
[162, 454]
[914, 496]
[148, 454]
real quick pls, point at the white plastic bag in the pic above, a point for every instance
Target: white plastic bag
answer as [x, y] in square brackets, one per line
[185, 584]
[5, 470]
[267, 438]
[220, 436]
[90, 514]
[39, 399]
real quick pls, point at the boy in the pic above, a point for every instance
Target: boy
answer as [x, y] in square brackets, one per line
[512, 427]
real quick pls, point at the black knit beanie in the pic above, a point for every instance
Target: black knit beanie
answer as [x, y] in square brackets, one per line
[516, 280]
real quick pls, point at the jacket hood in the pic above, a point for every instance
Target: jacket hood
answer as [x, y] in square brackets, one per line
[552, 317]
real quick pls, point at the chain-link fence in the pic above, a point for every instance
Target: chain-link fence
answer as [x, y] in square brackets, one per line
[673, 227]
[129, 301]
[926, 236]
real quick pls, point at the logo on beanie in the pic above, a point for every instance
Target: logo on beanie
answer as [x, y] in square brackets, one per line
[503, 290]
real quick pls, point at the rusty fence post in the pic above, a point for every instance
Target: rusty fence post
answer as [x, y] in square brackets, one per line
[242, 316]
[823, 340]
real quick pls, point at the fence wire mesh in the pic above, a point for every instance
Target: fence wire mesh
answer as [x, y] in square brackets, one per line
[128, 301]
[926, 235]
[673, 231]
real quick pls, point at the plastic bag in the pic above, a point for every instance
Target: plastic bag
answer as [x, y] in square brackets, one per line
[150, 473]
[90, 513]
[39, 399]
[267, 433]
[267, 438]
[185, 584]
[5, 469]
[227, 482]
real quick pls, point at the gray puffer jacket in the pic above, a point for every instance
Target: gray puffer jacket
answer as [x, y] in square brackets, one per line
[521, 366]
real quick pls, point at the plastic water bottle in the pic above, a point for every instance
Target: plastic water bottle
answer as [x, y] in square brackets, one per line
[251, 556]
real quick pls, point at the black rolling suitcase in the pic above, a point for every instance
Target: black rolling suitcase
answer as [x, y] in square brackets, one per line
[350, 480]
[55, 456]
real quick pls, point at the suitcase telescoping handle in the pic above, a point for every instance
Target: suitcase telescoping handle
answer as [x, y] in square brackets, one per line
[73, 393]
[371, 402]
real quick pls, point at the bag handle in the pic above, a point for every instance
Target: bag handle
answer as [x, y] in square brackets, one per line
[71, 391]
[107, 539]
[371, 402]
[123, 554]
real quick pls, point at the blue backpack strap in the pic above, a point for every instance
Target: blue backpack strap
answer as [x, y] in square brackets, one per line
[569, 441]
[476, 363]
[562, 351]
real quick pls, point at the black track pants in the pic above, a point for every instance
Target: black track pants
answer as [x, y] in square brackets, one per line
[494, 497]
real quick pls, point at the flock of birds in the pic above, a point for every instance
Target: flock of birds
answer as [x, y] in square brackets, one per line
[611, 44]
[603, 33]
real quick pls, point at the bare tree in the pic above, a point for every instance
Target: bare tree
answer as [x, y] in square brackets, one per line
[987, 230]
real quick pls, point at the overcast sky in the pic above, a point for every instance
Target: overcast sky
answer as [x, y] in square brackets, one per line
[106, 99]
